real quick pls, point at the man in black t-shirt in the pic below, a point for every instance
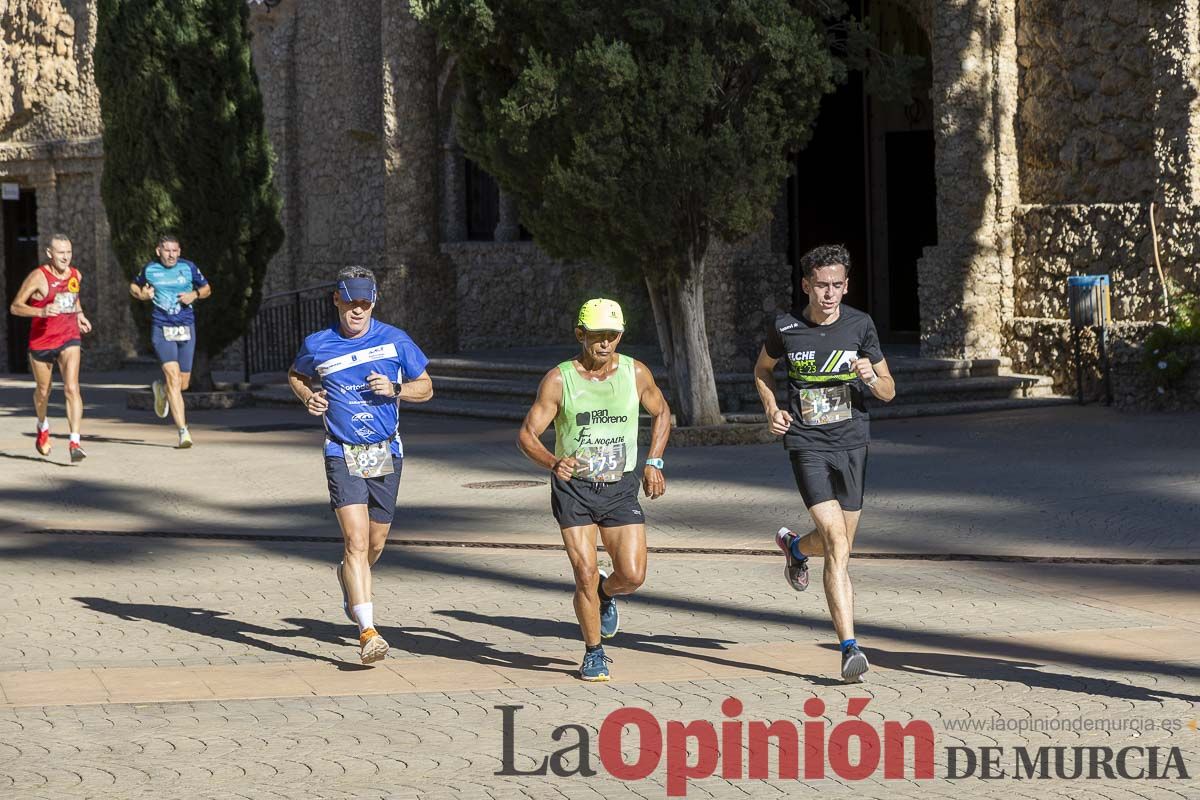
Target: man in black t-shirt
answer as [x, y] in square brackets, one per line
[834, 360]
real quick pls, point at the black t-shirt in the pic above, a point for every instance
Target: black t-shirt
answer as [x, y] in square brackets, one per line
[826, 398]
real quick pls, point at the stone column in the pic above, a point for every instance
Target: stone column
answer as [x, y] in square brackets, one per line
[966, 280]
[508, 227]
[1175, 56]
[454, 193]
[417, 280]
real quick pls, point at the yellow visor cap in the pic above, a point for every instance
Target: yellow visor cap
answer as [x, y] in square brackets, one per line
[601, 315]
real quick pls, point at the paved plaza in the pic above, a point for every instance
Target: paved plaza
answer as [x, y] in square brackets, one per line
[170, 624]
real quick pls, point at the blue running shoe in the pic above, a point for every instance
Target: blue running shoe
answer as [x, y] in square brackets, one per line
[610, 620]
[854, 664]
[796, 570]
[595, 666]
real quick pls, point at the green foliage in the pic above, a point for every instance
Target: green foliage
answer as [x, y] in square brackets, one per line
[185, 149]
[633, 131]
[1167, 351]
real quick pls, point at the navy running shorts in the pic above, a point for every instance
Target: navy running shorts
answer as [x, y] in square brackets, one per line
[378, 494]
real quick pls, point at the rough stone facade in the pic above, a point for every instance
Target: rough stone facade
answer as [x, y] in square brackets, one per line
[1056, 123]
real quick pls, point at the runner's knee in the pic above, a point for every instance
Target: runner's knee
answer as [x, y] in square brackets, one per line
[586, 575]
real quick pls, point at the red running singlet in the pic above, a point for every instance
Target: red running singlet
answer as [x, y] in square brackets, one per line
[49, 333]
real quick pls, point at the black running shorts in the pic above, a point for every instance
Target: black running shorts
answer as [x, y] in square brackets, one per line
[51, 356]
[378, 494]
[823, 475]
[609, 505]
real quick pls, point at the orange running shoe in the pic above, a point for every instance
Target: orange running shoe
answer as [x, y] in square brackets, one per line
[374, 647]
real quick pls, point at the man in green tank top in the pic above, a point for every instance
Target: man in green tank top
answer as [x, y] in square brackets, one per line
[593, 401]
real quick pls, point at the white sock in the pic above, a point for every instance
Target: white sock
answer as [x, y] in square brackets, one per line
[363, 612]
[183, 429]
[75, 438]
[43, 425]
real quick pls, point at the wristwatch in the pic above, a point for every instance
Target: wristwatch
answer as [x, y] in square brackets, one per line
[657, 463]
[396, 387]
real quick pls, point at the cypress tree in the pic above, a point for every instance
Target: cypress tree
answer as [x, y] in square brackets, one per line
[185, 151]
[637, 132]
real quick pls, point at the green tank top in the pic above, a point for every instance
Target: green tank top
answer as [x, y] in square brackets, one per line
[598, 422]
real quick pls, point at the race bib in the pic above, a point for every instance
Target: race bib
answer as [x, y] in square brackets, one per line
[177, 333]
[369, 460]
[66, 301]
[600, 463]
[825, 405]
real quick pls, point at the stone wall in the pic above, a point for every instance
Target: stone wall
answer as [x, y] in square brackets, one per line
[1085, 124]
[46, 85]
[511, 294]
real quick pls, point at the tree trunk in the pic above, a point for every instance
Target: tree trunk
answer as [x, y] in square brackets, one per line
[692, 379]
[202, 379]
[662, 322]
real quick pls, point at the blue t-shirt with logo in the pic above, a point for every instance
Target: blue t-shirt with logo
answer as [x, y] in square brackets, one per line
[356, 414]
[169, 283]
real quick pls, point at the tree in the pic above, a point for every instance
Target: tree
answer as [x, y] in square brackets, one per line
[185, 151]
[635, 132]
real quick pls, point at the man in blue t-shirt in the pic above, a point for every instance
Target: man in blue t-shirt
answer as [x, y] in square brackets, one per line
[352, 374]
[172, 284]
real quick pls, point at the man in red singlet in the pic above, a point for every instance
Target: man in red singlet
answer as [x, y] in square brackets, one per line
[50, 294]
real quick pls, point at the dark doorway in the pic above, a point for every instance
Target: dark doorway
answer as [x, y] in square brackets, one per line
[483, 203]
[867, 180]
[828, 191]
[911, 220]
[20, 258]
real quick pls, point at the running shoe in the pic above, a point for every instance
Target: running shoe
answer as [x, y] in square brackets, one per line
[43, 442]
[854, 664]
[345, 592]
[185, 439]
[160, 398]
[595, 665]
[374, 646]
[610, 620]
[77, 453]
[796, 569]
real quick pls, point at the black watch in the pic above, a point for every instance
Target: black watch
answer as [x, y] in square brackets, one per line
[396, 387]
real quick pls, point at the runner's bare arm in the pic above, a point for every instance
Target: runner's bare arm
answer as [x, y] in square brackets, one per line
[316, 402]
[778, 420]
[85, 324]
[651, 398]
[141, 292]
[541, 414]
[877, 377]
[418, 390]
[32, 288]
[203, 293]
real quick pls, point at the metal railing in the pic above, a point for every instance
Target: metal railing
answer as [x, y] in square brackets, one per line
[278, 329]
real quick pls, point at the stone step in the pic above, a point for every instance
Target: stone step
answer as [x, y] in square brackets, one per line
[880, 412]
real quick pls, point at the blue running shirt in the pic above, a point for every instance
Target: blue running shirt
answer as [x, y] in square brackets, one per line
[169, 283]
[357, 415]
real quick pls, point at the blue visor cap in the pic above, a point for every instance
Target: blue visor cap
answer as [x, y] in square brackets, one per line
[352, 289]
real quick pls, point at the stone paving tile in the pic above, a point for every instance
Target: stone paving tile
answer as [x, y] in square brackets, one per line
[192, 604]
[189, 603]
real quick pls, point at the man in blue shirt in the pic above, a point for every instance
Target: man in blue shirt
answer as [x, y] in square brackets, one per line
[352, 374]
[172, 284]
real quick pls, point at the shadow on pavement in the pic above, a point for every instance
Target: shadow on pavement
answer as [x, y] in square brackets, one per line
[1026, 673]
[217, 625]
[642, 643]
[38, 459]
[438, 642]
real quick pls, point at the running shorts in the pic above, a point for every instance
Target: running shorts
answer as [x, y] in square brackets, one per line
[823, 475]
[181, 352]
[51, 355]
[609, 505]
[378, 494]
